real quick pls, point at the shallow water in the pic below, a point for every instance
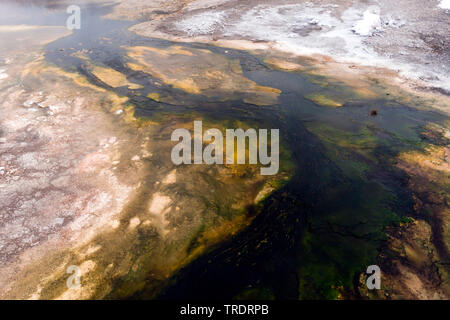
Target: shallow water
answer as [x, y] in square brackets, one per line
[324, 227]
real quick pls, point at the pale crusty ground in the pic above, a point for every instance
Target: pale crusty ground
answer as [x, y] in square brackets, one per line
[408, 53]
[410, 266]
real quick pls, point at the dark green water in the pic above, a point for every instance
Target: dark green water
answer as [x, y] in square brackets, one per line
[323, 228]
